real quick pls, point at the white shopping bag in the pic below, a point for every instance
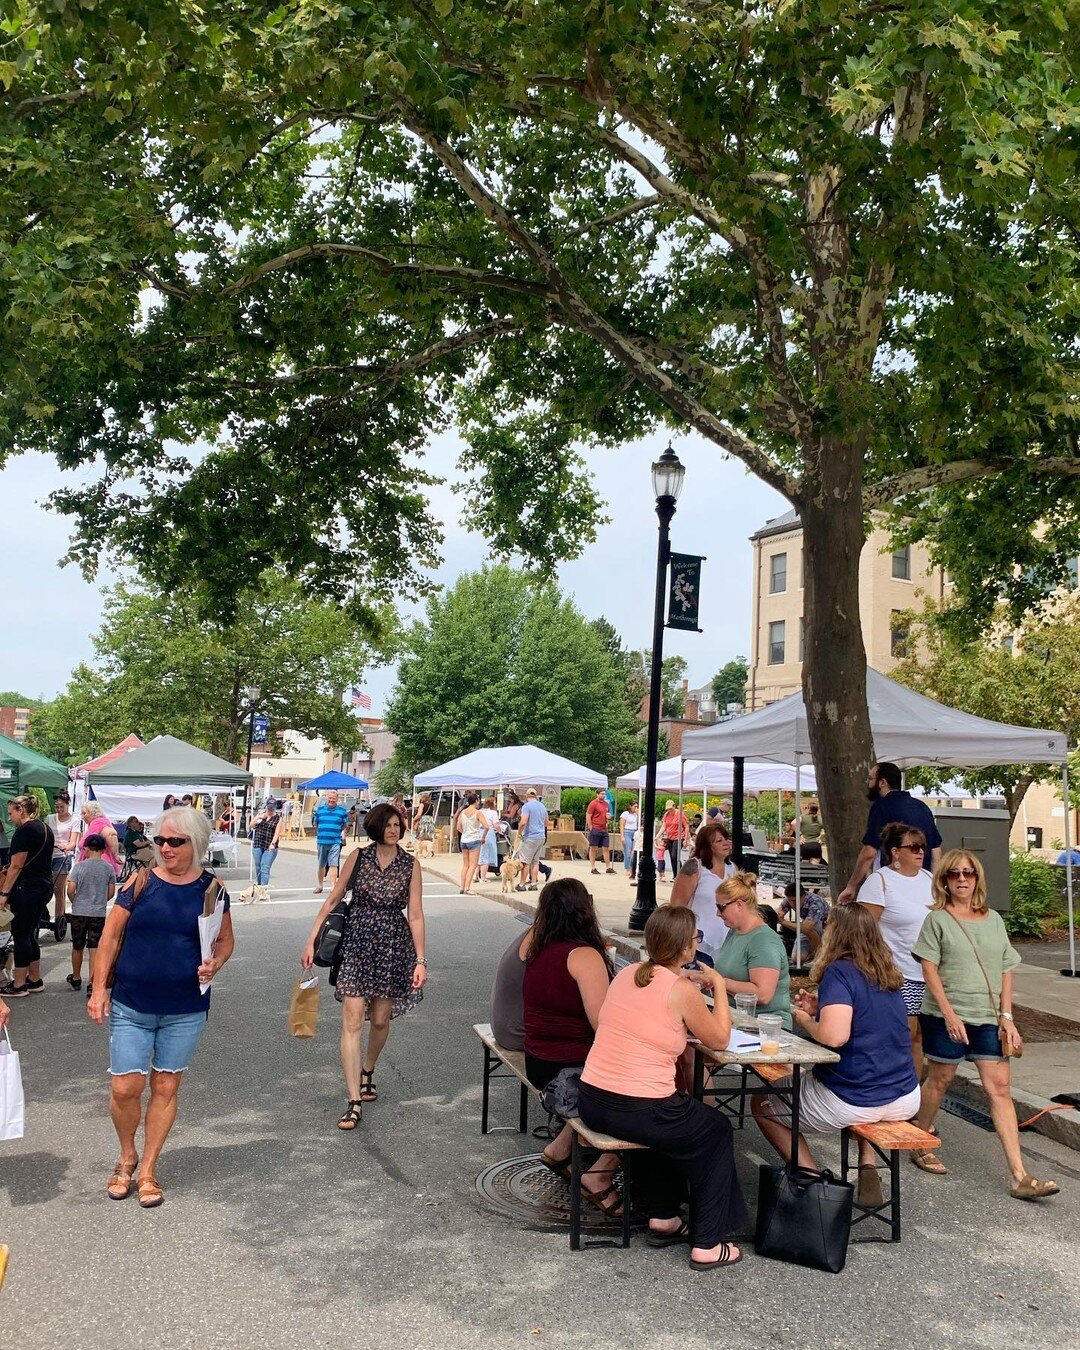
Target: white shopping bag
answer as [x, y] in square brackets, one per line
[12, 1105]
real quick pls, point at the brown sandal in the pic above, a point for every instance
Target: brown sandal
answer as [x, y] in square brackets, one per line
[928, 1161]
[150, 1193]
[608, 1202]
[368, 1091]
[118, 1186]
[1030, 1188]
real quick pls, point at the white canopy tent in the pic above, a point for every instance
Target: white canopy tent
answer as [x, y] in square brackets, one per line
[703, 775]
[908, 729]
[509, 766]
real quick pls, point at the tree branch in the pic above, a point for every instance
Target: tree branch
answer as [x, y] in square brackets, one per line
[630, 209]
[582, 317]
[958, 471]
[50, 101]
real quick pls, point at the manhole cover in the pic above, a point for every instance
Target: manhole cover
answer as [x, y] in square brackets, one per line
[526, 1190]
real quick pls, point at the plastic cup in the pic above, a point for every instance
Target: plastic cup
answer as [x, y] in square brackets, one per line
[770, 1026]
[746, 1004]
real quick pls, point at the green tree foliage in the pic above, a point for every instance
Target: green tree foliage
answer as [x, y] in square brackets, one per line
[163, 669]
[1030, 677]
[9, 698]
[503, 659]
[838, 240]
[729, 683]
[1034, 894]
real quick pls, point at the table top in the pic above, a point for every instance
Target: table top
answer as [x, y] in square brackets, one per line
[801, 1051]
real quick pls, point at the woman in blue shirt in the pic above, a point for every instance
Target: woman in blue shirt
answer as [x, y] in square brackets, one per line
[156, 1010]
[858, 1011]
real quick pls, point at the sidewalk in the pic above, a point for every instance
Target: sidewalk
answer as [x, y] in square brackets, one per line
[1048, 1067]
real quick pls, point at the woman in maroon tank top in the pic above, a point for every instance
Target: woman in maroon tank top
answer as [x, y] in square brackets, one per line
[567, 973]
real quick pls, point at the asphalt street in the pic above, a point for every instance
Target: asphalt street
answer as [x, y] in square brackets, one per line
[280, 1231]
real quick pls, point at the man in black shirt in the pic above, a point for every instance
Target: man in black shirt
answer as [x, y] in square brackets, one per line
[890, 802]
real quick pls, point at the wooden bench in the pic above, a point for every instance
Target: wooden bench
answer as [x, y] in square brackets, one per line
[888, 1139]
[514, 1060]
[585, 1138]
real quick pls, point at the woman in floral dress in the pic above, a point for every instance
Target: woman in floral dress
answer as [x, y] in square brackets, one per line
[382, 968]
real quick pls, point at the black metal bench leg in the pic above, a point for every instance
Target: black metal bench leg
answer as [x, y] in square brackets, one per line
[894, 1197]
[523, 1110]
[576, 1169]
[489, 1063]
[845, 1143]
[625, 1200]
[742, 1096]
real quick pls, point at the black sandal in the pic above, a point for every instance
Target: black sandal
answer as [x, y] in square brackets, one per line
[672, 1239]
[724, 1259]
[561, 1169]
[368, 1091]
[613, 1209]
[354, 1113]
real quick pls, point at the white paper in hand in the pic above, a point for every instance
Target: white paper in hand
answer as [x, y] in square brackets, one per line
[209, 928]
[12, 1103]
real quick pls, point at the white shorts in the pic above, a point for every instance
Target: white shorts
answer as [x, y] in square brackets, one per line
[822, 1111]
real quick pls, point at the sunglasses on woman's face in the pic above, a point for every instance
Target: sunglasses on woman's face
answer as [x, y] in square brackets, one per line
[955, 873]
[173, 840]
[914, 848]
[727, 905]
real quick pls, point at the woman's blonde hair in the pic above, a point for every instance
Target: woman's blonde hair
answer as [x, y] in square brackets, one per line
[852, 934]
[668, 933]
[742, 886]
[956, 857]
[26, 802]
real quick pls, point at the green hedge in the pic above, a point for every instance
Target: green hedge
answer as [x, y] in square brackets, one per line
[1034, 892]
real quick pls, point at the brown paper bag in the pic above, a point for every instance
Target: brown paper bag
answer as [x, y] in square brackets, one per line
[304, 1007]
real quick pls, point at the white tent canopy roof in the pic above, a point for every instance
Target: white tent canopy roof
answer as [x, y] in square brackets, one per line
[510, 766]
[908, 729]
[708, 775]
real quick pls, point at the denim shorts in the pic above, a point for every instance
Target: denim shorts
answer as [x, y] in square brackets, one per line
[165, 1042]
[329, 855]
[983, 1041]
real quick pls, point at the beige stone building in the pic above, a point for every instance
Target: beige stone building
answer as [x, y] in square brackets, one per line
[891, 580]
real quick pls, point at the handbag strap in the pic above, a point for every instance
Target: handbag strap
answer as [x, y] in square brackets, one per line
[989, 988]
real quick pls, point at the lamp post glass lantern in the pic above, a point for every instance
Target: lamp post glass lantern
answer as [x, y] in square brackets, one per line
[668, 473]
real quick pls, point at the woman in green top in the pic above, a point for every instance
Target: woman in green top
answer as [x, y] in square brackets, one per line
[967, 962]
[752, 959]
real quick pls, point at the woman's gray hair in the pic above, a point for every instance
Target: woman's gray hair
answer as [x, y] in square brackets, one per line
[190, 823]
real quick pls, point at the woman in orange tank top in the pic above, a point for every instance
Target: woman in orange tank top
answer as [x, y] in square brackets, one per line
[628, 1090]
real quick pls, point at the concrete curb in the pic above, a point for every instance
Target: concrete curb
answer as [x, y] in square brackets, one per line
[1063, 1127]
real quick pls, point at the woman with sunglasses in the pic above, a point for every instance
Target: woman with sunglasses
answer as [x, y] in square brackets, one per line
[753, 959]
[899, 897]
[157, 1012]
[696, 885]
[967, 963]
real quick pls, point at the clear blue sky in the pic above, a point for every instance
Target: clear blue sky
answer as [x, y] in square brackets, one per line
[51, 613]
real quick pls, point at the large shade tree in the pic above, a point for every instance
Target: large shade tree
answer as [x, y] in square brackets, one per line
[838, 240]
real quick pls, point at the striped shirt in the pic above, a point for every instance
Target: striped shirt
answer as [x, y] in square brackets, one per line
[329, 822]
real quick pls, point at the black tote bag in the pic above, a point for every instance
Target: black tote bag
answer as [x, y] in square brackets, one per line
[803, 1217]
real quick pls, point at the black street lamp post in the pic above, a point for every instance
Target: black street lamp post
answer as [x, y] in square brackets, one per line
[251, 694]
[667, 477]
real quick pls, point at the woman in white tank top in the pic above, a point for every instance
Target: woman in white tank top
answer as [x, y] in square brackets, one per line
[697, 882]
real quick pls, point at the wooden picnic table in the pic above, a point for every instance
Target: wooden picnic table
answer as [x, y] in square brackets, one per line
[801, 1053]
[574, 840]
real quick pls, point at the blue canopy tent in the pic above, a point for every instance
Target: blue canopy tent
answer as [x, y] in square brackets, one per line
[333, 779]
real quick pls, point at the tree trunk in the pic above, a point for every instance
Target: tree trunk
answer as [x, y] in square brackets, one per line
[834, 657]
[1014, 796]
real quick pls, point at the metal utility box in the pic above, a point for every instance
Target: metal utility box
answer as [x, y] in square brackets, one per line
[984, 833]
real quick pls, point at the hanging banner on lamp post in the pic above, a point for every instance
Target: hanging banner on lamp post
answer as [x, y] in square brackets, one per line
[684, 592]
[260, 729]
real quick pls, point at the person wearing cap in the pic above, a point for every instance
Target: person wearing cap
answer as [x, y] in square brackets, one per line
[676, 831]
[532, 838]
[266, 831]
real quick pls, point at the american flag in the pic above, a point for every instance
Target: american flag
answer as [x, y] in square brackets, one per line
[358, 699]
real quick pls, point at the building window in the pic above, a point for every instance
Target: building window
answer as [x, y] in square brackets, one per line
[777, 573]
[898, 635]
[901, 563]
[776, 643]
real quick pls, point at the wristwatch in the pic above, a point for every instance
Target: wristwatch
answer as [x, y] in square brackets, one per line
[421, 961]
[1007, 1016]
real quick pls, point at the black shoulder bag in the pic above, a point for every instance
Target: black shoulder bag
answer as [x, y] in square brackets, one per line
[332, 930]
[803, 1216]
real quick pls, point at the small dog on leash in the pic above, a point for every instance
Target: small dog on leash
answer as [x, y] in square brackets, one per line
[509, 872]
[424, 849]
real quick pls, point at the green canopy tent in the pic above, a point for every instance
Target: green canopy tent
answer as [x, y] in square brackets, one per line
[136, 783]
[22, 768]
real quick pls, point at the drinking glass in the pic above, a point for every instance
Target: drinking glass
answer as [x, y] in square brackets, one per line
[747, 1005]
[769, 1028]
